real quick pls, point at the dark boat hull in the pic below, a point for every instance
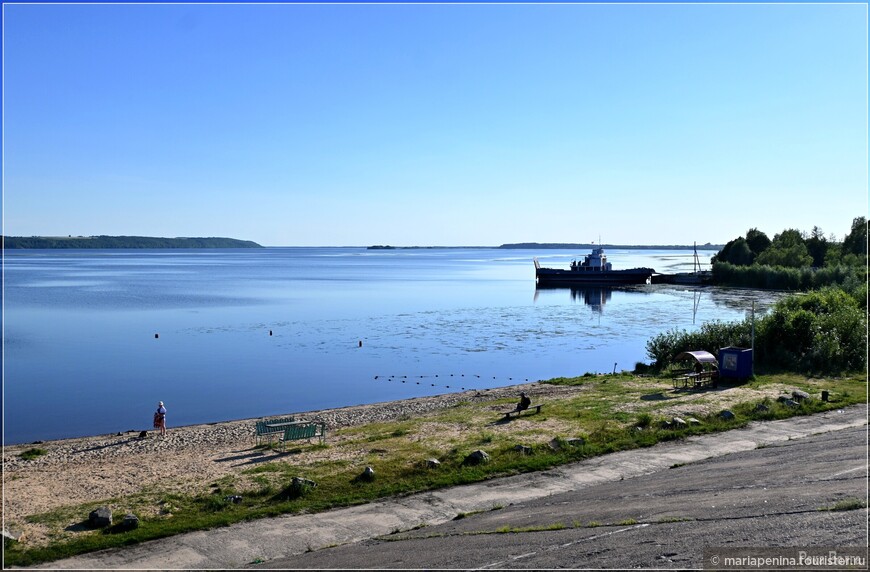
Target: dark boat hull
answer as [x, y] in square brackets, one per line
[551, 276]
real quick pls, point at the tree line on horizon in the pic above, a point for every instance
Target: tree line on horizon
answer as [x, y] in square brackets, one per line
[40, 242]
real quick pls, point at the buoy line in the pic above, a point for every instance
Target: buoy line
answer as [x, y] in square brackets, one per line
[460, 379]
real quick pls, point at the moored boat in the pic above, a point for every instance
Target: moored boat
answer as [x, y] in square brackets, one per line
[594, 269]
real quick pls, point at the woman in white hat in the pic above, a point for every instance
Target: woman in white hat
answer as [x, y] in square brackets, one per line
[160, 418]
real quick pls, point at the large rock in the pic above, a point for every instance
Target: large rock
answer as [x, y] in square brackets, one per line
[523, 449]
[100, 518]
[300, 486]
[799, 395]
[130, 522]
[12, 535]
[477, 457]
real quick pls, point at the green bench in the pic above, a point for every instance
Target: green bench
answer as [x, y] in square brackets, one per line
[536, 407]
[304, 431]
[262, 431]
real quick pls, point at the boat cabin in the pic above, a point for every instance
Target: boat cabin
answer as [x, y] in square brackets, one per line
[595, 262]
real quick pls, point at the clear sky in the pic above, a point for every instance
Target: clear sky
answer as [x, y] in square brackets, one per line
[434, 124]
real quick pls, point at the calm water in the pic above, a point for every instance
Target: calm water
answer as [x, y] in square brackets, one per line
[81, 355]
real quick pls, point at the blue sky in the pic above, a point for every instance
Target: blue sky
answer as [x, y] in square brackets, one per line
[434, 124]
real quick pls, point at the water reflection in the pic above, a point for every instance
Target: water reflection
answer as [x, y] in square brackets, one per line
[593, 296]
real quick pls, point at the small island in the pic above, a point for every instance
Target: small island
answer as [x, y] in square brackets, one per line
[39, 242]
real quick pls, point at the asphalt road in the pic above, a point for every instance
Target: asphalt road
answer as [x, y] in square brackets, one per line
[770, 496]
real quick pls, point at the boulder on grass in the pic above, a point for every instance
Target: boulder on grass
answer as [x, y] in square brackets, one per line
[130, 522]
[100, 518]
[300, 486]
[523, 449]
[477, 457]
[799, 395]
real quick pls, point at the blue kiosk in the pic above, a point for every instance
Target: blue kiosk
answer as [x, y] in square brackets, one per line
[735, 363]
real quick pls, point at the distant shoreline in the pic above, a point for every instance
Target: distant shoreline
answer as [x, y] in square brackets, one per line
[563, 246]
[138, 242]
[147, 242]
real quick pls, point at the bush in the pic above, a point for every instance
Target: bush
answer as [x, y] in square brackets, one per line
[781, 278]
[664, 347]
[824, 331]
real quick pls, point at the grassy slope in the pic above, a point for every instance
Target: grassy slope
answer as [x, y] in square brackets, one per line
[611, 413]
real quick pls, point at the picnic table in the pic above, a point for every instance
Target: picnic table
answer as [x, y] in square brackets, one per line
[695, 380]
[270, 428]
[280, 424]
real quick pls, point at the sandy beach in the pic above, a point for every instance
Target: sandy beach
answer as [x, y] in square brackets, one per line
[108, 468]
[187, 459]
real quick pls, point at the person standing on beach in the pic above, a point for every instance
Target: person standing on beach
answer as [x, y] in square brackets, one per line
[160, 419]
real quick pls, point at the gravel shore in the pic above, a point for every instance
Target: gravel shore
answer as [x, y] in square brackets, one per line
[91, 469]
[210, 435]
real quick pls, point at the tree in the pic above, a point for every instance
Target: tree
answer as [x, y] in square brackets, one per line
[817, 246]
[736, 252]
[739, 254]
[787, 249]
[757, 241]
[856, 241]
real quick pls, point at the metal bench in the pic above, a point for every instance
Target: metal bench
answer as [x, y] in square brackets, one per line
[262, 428]
[304, 430]
[536, 407]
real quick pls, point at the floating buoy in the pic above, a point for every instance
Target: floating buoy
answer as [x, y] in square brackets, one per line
[156, 336]
[360, 343]
[270, 332]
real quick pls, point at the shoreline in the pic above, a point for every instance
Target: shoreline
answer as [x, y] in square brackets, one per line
[335, 417]
[111, 468]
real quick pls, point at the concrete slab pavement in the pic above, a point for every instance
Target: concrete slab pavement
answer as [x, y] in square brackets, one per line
[247, 543]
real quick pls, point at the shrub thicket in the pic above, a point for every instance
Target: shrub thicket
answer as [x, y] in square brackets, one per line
[824, 331]
[782, 278]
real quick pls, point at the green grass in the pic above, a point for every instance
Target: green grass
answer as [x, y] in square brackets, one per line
[33, 453]
[847, 504]
[395, 451]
